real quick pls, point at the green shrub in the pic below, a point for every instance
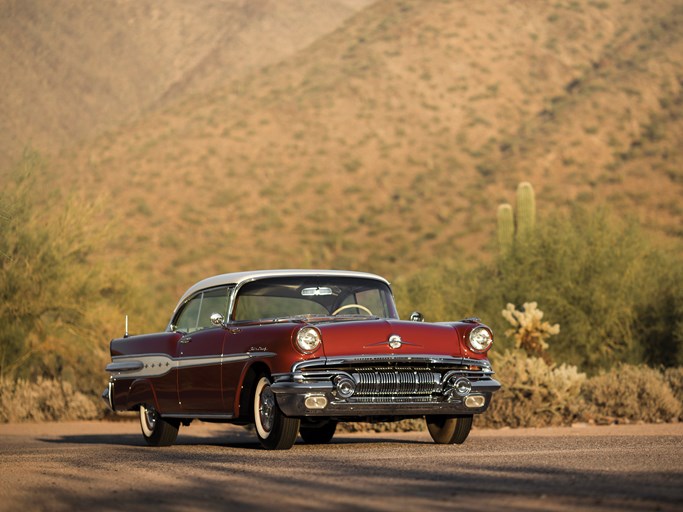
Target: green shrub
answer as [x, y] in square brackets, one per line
[58, 308]
[590, 273]
[617, 296]
[533, 393]
[44, 400]
[445, 291]
[633, 393]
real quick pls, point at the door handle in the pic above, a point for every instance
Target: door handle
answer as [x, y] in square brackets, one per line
[186, 339]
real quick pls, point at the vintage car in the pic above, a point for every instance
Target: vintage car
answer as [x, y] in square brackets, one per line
[294, 352]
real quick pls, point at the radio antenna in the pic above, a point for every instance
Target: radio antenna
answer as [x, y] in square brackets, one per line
[125, 334]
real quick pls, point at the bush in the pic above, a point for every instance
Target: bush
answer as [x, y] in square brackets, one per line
[58, 308]
[445, 291]
[533, 393]
[674, 377]
[43, 400]
[632, 393]
[411, 425]
[617, 296]
[591, 274]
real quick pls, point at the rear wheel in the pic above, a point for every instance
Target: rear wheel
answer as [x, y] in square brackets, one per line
[274, 430]
[318, 434]
[156, 430]
[449, 429]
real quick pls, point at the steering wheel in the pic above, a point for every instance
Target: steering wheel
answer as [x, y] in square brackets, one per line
[349, 306]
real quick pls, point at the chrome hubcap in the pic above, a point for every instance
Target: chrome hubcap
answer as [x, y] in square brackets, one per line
[266, 408]
[150, 418]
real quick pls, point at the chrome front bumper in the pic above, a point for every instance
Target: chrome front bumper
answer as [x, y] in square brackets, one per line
[108, 395]
[396, 387]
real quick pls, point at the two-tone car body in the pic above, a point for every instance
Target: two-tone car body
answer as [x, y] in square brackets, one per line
[294, 352]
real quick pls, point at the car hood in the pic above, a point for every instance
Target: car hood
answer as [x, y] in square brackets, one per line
[372, 337]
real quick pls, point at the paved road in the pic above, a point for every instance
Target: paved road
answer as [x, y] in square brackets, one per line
[105, 466]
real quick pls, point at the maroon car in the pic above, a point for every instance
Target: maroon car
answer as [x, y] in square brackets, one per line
[294, 352]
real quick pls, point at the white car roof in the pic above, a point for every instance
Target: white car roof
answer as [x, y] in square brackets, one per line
[239, 278]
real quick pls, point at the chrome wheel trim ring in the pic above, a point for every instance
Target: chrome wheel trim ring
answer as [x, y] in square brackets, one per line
[264, 413]
[148, 420]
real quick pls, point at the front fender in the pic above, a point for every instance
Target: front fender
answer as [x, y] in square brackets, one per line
[141, 391]
[246, 383]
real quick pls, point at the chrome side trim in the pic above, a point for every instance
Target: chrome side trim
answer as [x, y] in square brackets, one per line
[124, 366]
[158, 365]
[200, 416]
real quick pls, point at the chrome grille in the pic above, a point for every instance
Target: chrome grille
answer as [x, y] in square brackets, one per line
[397, 380]
[384, 382]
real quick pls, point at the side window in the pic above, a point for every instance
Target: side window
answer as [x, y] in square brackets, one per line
[197, 312]
[214, 301]
[188, 320]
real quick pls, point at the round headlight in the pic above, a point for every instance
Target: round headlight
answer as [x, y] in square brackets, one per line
[480, 339]
[308, 340]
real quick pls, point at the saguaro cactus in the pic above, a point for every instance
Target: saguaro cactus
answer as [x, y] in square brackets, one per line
[506, 227]
[509, 231]
[526, 210]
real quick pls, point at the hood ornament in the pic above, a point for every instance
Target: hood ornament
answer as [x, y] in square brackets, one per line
[395, 341]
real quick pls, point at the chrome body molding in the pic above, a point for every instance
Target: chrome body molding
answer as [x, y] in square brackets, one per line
[158, 365]
[484, 364]
[125, 366]
[200, 416]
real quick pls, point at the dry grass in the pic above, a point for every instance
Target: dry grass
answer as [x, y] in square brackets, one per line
[44, 400]
[674, 377]
[633, 393]
[534, 393]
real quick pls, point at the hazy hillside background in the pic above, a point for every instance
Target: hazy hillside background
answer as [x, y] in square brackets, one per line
[73, 68]
[224, 135]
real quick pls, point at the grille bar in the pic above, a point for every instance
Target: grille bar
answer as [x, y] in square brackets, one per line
[390, 399]
[376, 382]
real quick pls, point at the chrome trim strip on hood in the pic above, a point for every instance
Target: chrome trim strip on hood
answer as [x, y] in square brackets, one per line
[392, 358]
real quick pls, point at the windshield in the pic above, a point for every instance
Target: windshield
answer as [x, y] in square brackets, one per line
[313, 296]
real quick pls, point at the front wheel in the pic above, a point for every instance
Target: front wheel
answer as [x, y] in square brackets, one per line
[274, 430]
[449, 429]
[319, 434]
[156, 430]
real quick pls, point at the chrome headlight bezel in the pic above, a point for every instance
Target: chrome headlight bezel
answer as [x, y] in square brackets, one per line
[308, 340]
[480, 339]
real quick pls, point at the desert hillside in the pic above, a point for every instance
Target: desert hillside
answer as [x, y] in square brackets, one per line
[384, 144]
[72, 69]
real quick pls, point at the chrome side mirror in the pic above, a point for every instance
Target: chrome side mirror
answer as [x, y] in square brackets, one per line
[416, 316]
[217, 319]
